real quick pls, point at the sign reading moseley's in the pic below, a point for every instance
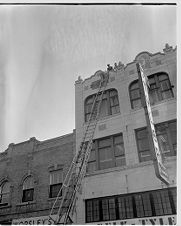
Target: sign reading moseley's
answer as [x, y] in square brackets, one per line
[42, 220]
[161, 220]
[160, 170]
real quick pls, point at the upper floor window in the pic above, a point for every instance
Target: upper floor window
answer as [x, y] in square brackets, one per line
[106, 153]
[4, 193]
[56, 178]
[109, 105]
[167, 140]
[28, 189]
[160, 89]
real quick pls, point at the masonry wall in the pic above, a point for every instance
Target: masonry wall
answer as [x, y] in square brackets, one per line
[35, 158]
[135, 176]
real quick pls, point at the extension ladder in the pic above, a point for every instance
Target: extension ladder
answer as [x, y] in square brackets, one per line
[63, 206]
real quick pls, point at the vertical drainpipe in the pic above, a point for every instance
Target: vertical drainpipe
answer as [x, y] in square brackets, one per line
[127, 188]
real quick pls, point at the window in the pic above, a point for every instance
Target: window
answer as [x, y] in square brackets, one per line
[106, 153]
[109, 105]
[160, 89]
[108, 209]
[162, 203]
[56, 178]
[28, 189]
[128, 206]
[125, 207]
[92, 211]
[4, 193]
[167, 140]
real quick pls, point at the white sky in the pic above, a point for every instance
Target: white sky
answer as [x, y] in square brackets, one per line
[43, 49]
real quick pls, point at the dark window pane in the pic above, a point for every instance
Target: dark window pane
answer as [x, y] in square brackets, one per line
[104, 142]
[143, 144]
[120, 161]
[147, 204]
[145, 156]
[173, 193]
[105, 209]
[142, 133]
[96, 214]
[135, 94]
[112, 209]
[91, 166]
[103, 108]
[157, 203]
[129, 207]
[106, 164]
[134, 85]
[136, 103]
[162, 77]
[118, 139]
[89, 211]
[54, 190]
[139, 205]
[154, 96]
[28, 195]
[105, 154]
[119, 149]
[122, 208]
[92, 156]
[166, 202]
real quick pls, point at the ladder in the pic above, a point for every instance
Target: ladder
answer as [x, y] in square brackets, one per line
[63, 206]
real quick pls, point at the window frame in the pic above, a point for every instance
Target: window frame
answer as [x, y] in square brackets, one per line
[6, 193]
[109, 106]
[55, 185]
[130, 209]
[28, 190]
[169, 141]
[158, 88]
[97, 162]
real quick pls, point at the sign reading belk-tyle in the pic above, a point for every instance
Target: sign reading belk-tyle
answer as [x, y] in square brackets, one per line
[160, 169]
[161, 220]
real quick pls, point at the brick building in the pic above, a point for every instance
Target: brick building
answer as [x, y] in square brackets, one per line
[121, 186]
[31, 174]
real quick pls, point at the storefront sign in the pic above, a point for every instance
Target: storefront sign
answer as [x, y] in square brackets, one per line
[162, 220]
[160, 169]
[42, 220]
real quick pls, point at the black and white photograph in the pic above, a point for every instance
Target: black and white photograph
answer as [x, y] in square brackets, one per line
[88, 113]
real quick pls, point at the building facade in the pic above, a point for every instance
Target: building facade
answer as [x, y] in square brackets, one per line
[121, 186]
[31, 175]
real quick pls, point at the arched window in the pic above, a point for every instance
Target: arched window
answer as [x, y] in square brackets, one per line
[4, 193]
[28, 189]
[109, 105]
[160, 89]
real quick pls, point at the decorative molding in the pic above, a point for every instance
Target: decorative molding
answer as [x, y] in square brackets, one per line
[167, 48]
[95, 84]
[143, 59]
[119, 66]
[79, 80]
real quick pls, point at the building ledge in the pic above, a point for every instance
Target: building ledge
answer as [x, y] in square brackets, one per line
[6, 206]
[133, 166]
[26, 203]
